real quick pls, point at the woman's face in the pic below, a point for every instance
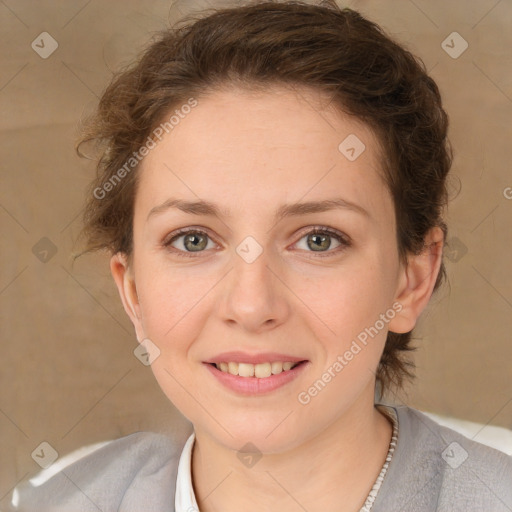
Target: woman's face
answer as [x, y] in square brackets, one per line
[254, 279]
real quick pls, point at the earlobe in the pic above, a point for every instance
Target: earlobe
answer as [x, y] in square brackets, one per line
[125, 283]
[417, 280]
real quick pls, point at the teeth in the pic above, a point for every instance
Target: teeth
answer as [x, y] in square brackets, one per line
[233, 368]
[260, 370]
[277, 367]
[246, 370]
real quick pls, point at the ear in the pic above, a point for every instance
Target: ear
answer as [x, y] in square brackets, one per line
[123, 276]
[417, 280]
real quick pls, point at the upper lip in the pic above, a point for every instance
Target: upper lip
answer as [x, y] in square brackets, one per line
[243, 357]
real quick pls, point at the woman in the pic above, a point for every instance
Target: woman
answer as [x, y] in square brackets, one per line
[271, 188]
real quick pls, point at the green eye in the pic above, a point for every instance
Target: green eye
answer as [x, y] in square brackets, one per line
[318, 241]
[189, 241]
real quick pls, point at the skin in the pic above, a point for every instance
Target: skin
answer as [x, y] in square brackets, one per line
[250, 153]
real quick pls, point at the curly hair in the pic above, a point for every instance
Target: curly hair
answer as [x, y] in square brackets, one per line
[329, 49]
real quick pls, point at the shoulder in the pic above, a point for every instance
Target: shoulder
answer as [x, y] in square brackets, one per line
[440, 469]
[122, 474]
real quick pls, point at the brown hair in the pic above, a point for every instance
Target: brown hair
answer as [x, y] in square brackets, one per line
[332, 50]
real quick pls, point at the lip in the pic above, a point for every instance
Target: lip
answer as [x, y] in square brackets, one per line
[255, 385]
[243, 357]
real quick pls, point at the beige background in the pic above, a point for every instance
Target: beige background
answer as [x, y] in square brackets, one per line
[68, 374]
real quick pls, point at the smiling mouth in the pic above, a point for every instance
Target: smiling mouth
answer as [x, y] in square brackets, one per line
[260, 370]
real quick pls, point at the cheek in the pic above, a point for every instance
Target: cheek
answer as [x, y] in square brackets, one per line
[170, 301]
[174, 310]
[348, 299]
[351, 304]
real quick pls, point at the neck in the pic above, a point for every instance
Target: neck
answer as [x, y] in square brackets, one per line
[343, 462]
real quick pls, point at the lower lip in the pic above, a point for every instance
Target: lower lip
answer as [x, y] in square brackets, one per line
[255, 385]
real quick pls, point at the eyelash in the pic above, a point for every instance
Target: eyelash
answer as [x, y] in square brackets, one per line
[344, 241]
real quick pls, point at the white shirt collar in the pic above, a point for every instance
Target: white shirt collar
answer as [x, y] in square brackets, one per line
[185, 500]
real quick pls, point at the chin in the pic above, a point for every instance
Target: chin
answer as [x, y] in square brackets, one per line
[266, 435]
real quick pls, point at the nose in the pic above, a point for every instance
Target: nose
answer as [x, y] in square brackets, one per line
[254, 294]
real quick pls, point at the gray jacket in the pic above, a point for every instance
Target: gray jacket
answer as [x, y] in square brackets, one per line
[433, 468]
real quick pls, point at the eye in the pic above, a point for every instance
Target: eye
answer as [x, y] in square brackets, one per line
[188, 241]
[319, 240]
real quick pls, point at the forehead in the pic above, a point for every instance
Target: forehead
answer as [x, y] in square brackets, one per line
[249, 147]
[282, 116]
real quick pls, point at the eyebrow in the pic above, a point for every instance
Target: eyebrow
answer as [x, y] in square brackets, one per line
[201, 207]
